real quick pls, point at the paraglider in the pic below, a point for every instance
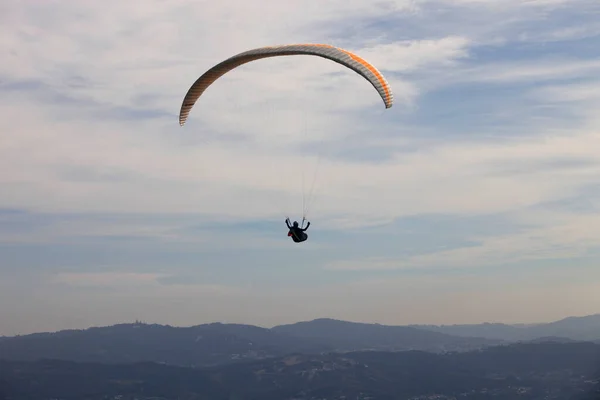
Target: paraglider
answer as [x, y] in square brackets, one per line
[336, 54]
[297, 233]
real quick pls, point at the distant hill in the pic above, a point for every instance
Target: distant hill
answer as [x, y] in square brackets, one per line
[524, 371]
[214, 344]
[201, 345]
[352, 336]
[550, 339]
[486, 330]
[577, 328]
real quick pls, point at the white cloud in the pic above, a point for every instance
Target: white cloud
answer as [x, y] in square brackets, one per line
[562, 34]
[79, 64]
[412, 55]
[373, 264]
[555, 237]
[571, 92]
[206, 178]
[547, 69]
[129, 282]
[540, 71]
[513, 4]
[213, 178]
[111, 279]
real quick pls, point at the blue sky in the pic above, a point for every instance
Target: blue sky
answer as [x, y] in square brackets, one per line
[474, 198]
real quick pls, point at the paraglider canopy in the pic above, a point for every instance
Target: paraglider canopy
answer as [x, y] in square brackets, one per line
[341, 56]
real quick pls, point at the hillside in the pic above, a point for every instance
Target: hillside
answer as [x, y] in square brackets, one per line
[524, 371]
[586, 328]
[351, 336]
[214, 344]
[201, 345]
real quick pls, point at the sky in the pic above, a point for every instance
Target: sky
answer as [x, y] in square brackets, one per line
[475, 198]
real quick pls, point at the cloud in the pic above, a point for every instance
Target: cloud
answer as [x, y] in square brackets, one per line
[570, 92]
[125, 282]
[540, 71]
[495, 117]
[107, 279]
[412, 55]
[540, 234]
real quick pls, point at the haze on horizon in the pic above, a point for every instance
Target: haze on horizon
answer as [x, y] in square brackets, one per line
[474, 198]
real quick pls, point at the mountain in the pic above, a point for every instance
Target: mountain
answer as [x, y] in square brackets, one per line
[486, 330]
[551, 339]
[584, 328]
[201, 345]
[351, 336]
[578, 328]
[214, 344]
[524, 371]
